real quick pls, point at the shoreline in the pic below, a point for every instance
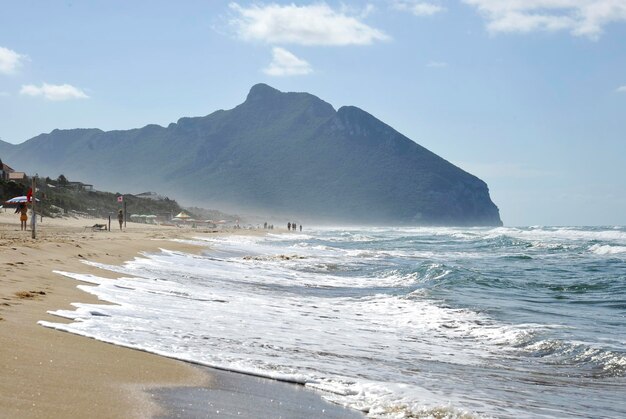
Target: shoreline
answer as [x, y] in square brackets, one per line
[46, 373]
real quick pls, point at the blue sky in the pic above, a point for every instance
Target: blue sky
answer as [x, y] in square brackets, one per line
[529, 95]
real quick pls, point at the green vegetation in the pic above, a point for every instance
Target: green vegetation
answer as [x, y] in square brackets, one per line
[10, 189]
[60, 193]
[60, 197]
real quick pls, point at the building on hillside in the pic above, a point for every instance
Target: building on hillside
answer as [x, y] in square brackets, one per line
[8, 173]
[17, 176]
[80, 186]
[5, 169]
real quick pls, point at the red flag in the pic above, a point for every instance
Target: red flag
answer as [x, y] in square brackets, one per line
[29, 195]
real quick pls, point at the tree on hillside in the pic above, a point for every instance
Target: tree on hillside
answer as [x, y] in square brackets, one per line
[62, 180]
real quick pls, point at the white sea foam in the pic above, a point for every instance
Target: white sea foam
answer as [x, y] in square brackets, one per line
[561, 233]
[340, 318]
[162, 316]
[607, 249]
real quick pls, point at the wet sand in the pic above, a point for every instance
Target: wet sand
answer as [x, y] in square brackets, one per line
[244, 396]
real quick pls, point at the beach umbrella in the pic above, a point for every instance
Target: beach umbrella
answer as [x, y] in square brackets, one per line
[182, 216]
[18, 200]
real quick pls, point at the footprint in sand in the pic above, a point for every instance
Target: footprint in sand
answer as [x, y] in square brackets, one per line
[29, 295]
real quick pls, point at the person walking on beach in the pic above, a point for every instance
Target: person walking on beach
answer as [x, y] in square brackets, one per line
[23, 210]
[289, 226]
[120, 218]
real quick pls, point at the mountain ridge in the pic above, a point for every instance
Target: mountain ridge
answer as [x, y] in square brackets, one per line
[275, 153]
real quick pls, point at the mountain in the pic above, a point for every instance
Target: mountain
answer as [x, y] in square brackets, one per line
[282, 154]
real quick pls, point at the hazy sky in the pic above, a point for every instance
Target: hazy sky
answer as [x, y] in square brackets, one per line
[529, 95]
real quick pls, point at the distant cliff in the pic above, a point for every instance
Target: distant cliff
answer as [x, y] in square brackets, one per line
[287, 154]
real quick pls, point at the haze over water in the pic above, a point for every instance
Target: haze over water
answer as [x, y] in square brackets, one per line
[399, 322]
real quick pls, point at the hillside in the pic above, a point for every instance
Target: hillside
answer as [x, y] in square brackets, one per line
[58, 198]
[277, 153]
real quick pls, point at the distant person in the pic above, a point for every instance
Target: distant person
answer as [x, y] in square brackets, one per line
[120, 218]
[23, 210]
[265, 225]
[289, 226]
[300, 227]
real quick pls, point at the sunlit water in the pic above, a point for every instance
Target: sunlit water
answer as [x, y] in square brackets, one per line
[404, 322]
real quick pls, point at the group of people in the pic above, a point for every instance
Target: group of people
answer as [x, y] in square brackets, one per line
[293, 226]
[22, 208]
[290, 226]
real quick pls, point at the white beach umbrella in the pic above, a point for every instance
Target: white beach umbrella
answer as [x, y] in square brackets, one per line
[18, 200]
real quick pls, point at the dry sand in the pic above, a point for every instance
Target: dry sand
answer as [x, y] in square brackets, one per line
[46, 373]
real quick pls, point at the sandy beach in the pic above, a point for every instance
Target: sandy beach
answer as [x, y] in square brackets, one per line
[47, 373]
[50, 374]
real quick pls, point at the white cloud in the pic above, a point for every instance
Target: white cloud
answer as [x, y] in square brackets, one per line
[579, 17]
[9, 60]
[437, 64]
[284, 63]
[315, 24]
[621, 89]
[418, 8]
[55, 92]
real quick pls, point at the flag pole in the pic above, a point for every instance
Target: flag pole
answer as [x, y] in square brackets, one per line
[33, 220]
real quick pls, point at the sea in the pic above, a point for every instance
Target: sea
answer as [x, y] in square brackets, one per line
[395, 322]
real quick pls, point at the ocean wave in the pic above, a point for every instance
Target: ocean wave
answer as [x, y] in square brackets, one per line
[498, 241]
[606, 249]
[561, 233]
[517, 257]
[352, 238]
[423, 274]
[587, 360]
[389, 400]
